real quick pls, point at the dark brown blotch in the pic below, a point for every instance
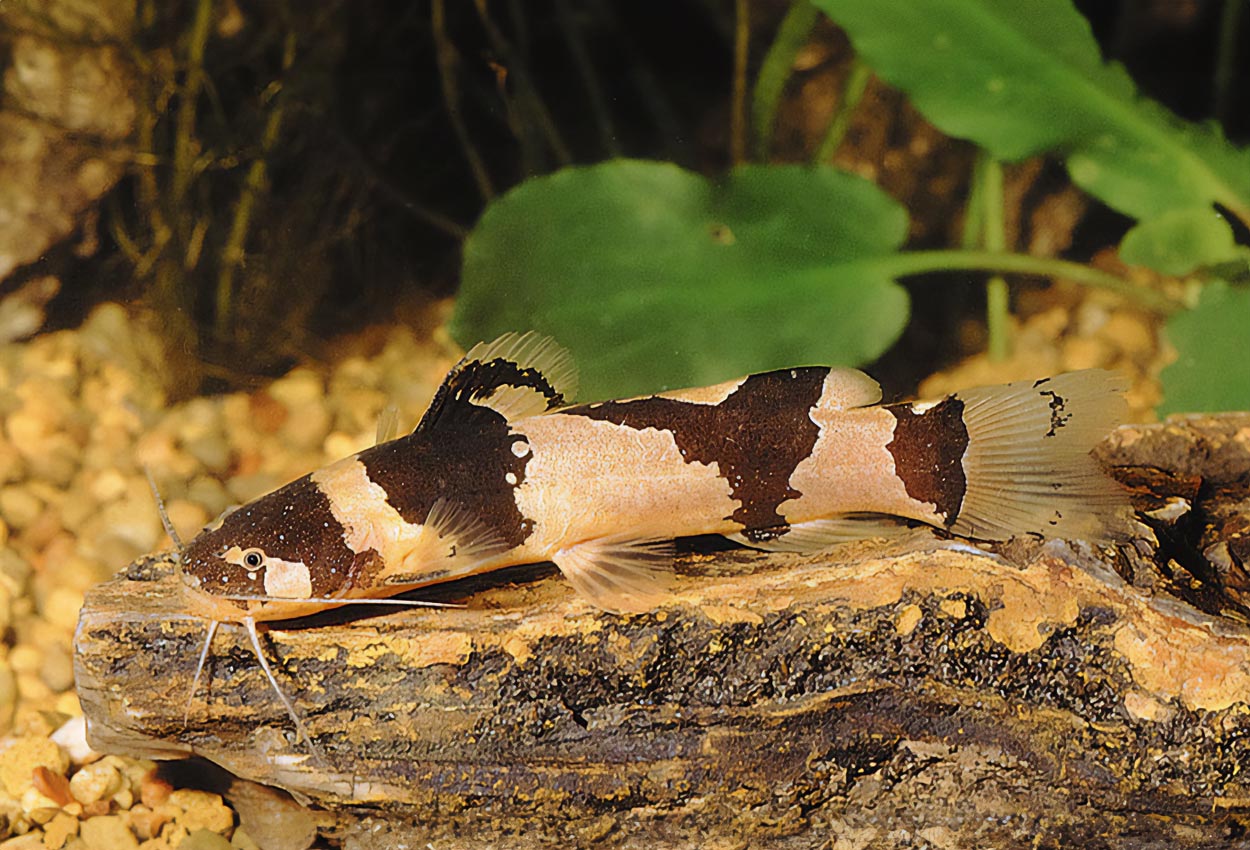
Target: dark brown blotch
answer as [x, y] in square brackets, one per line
[757, 437]
[469, 466]
[928, 450]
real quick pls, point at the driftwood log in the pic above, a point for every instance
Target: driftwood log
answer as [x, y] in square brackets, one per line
[933, 694]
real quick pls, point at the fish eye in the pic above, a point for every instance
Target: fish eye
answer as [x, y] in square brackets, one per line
[253, 558]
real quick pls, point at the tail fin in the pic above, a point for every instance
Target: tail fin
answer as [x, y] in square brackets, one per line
[1028, 466]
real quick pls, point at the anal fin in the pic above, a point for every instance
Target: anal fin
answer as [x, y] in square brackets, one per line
[819, 534]
[619, 574]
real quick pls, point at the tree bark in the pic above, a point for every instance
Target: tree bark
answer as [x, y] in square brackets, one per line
[1040, 694]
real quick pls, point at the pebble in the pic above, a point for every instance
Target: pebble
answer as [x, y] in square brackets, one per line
[202, 810]
[59, 830]
[19, 507]
[20, 758]
[108, 833]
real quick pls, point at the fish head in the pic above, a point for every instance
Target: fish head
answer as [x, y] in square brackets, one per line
[282, 555]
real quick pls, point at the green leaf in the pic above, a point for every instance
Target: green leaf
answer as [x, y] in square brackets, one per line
[1212, 371]
[1180, 241]
[1023, 78]
[655, 277]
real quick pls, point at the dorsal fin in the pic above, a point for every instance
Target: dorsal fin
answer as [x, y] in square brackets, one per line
[516, 376]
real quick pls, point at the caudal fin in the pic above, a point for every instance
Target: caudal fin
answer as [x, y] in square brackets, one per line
[1028, 465]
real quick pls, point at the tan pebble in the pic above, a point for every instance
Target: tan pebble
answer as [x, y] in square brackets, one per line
[173, 834]
[11, 465]
[210, 495]
[956, 608]
[107, 485]
[266, 413]
[54, 459]
[339, 444]
[146, 823]
[57, 669]
[96, 809]
[61, 607]
[154, 791]
[78, 506]
[202, 810]
[26, 428]
[8, 697]
[135, 771]
[59, 830]
[39, 807]
[29, 841]
[19, 760]
[107, 833]
[204, 839]
[242, 841]
[45, 529]
[298, 388]
[244, 488]
[95, 782]
[19, 507]
[124, 798]
[1132, 332]
[187, 516]
[211, 451]
[25, 658]
[307, 427]
[1085, 353]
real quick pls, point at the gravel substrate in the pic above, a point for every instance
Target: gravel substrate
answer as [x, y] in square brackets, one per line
[83, 412]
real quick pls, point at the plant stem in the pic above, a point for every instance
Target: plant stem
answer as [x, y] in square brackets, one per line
[908, 263]
[795, 27]
[989, 174]
[738, 116]
[1226, 59]
[852, 93]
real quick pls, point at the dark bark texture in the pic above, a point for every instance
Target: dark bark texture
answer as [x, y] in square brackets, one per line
[1042, 694]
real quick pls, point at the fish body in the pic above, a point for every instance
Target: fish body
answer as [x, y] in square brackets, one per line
[503, 470]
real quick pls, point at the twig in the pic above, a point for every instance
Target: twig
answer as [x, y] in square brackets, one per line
[795, 28]
[852, 93]
[590, 79]
[738, 115]
[526, 89]
[233, 252]
[447, 58]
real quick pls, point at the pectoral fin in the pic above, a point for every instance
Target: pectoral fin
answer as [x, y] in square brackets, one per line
[619, 574]
[453, 541]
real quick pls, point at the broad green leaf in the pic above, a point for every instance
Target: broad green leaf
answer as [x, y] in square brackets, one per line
[1212, 372]
[1180, 241]
[656, 277]
[1023, 77]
